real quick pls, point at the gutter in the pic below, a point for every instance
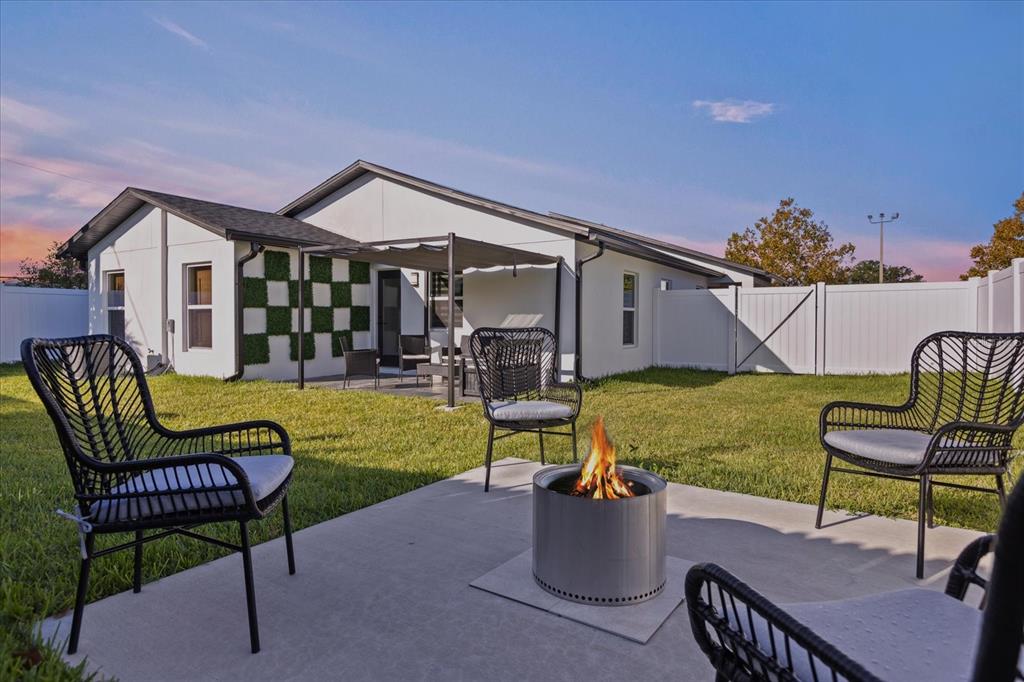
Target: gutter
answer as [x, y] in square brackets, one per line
[255, 249]
[578, 350]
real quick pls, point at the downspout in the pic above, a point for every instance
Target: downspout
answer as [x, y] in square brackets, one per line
[578, 358]
[254, 250]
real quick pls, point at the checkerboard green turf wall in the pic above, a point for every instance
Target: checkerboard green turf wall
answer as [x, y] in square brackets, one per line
[271, 300]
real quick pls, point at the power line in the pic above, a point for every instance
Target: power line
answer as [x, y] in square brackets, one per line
[51, 172]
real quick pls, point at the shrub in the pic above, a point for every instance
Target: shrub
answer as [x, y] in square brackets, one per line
[322, 319]
[308, 346]
[358, 272]
[279, 320]
[277, 266]
[293, 293]
[360, 318]
[319, 269]
[336, 337]
[254, 292]
[255, 349]
[341, 294]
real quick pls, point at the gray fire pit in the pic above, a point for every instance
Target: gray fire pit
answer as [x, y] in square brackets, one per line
[599, 552]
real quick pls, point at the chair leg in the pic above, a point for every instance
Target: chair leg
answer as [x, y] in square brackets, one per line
[540, 434]
[824, 488]
[83, 587]
[575, 457]
[487, 460]
[250, 590]
[288, 535]
[1001, 491]
[922, 521]
[137, 577]
[931, 506]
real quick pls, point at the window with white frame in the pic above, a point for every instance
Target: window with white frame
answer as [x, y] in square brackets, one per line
[629, 309]
[199, 305]
[666, 285]
[114, 296]
[439, 299]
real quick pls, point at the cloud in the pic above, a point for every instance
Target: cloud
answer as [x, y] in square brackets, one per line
[32, 119]
[177, 30]
[25, 240]
[734, 111]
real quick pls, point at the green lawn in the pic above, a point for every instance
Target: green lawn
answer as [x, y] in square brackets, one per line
[753, 434]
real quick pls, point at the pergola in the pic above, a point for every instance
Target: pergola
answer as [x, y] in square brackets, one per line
[448, 253]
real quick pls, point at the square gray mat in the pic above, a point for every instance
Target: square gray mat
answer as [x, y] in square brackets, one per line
[638, 623]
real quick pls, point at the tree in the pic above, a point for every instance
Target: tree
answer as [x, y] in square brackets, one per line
[1006, 244]
[866, 272]
[791, 245]
[53, 271]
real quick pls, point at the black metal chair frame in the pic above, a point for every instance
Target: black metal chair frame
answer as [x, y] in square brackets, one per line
[722, 610]
[95, 392]
[967, 391]
[515, 364]
[360, 363]
[416, 345]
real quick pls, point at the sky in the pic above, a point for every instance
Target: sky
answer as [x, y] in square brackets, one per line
[682, 121]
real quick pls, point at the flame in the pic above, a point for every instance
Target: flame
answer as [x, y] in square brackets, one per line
[599, 478]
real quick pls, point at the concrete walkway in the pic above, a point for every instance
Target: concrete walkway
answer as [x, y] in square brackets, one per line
[383, 593]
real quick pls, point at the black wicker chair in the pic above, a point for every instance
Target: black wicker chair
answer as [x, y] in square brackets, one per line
[913, 634]
[966, 402]
[132, 474]
[413, 351]
[360, 363]
[519, 387]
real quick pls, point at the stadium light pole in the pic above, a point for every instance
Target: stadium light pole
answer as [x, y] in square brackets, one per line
[882, 220]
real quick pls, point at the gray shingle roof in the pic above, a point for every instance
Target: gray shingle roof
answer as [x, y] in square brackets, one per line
[230, 222]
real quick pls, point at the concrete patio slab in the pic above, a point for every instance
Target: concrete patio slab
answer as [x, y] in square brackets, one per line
[635, 622]
[383, 593]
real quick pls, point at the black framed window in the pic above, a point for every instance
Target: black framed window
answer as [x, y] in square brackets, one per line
[629, 309]
[439, 291]
[115, 303]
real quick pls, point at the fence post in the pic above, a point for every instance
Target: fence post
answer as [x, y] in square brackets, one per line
[734, 330]
[992, 300]
[1018, 294]
[974, 284]
[656, 327]
[820, 298]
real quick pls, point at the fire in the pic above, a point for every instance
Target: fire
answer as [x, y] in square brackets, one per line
[598, 477]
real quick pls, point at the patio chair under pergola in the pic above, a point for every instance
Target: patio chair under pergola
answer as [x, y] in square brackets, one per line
[448, 253]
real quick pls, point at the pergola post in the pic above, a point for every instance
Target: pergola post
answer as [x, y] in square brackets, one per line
[302, 318]
[558, 317]
[451, 320]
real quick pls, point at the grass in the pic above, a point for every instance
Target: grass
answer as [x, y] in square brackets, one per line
[753, 434]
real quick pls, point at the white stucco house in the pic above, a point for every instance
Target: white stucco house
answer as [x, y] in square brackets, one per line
[212, 289]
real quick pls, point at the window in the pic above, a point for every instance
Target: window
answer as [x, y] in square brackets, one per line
[115, 303]
[439, 300]
[199, 306]
[629, 309]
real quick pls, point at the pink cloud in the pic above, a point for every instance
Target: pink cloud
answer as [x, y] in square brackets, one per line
[25, 240]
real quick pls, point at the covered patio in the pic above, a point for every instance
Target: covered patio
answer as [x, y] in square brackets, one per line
[450, 254]
[385, 592]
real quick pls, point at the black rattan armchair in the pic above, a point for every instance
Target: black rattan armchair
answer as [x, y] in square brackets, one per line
[413, 351]
[360, 363]
[912, 634]
[966, 402]
[519, 387]
[132, 474]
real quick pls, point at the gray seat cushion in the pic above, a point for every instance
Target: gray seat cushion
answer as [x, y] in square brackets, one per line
[895, 446]
[406, 356]
[529, 410]
[266, 473]
[913, 634]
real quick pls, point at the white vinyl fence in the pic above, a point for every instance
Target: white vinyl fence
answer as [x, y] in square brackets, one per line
[30, 311]
[828, 329]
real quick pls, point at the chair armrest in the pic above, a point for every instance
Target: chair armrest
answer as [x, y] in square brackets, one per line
[746, 636]
[841, 414]
[968, 444]
[260, 437]
[568, 393]
[965, 571]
